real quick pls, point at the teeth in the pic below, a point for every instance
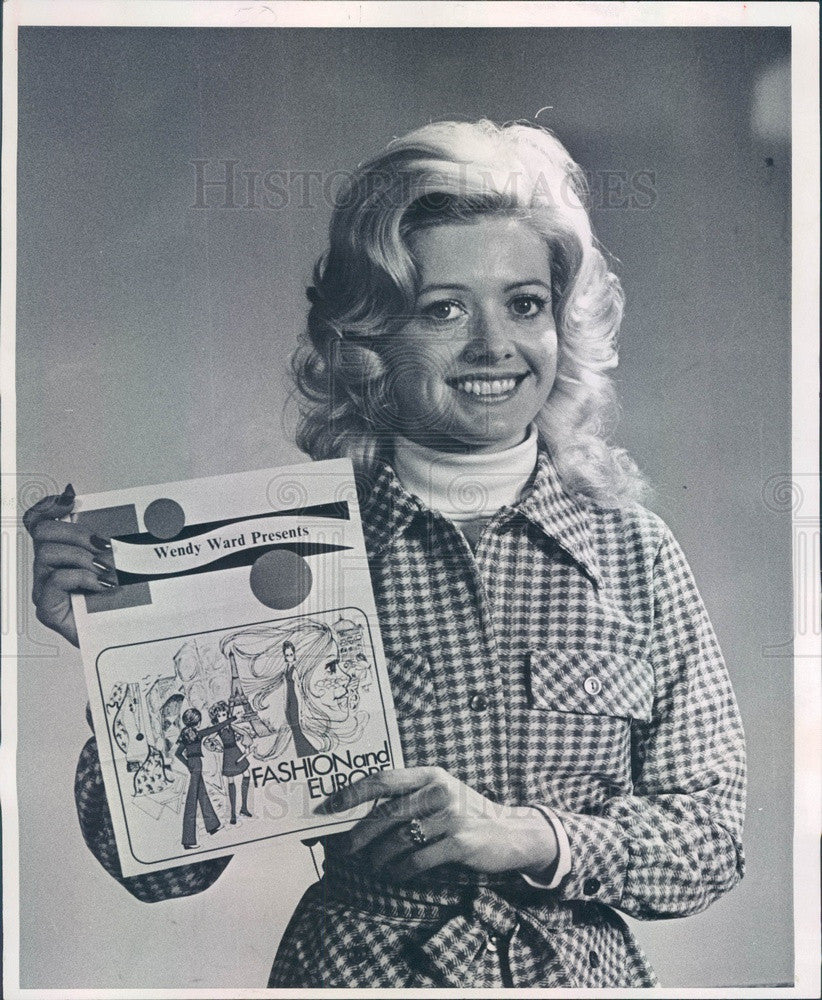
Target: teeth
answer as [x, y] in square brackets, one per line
[482, 387]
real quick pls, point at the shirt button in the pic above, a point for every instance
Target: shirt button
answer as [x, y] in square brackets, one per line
[478, 703]
[591, 886]
[359, 955]
[492, 943]
[593, 958]
[592, 685]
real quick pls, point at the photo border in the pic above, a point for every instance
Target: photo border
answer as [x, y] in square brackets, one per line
[803, 19]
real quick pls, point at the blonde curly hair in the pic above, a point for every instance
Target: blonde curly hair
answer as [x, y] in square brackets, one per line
[366, 282]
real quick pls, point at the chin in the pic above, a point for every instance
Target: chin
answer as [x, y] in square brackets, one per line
[497, 440]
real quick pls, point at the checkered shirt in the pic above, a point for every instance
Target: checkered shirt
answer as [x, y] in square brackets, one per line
[568, 662]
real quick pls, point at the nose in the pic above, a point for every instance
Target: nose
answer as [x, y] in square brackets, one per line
[489, 342]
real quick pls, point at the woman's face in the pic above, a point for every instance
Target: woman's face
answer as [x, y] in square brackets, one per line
[328, 686]
[477, 361]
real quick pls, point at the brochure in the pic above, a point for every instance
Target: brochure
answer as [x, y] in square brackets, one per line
[235, 672]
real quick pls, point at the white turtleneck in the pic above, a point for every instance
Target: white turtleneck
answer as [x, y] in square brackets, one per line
[465, 487]
[469, 489]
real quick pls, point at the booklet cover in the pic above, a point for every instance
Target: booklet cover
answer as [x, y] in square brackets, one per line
[236, 674]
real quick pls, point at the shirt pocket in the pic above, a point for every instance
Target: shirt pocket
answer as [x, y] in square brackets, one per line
[415, 701]
[587, 710]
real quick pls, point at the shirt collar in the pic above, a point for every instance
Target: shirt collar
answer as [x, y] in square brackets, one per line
[560, 515]
[388, 508]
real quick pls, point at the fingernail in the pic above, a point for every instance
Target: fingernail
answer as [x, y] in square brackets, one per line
[100, 543]
[105, 583]
[101, 566]
[67, 496]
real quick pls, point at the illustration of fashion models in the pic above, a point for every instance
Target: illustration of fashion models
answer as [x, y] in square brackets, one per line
[292, 716]
[190, 752]
[235, 762]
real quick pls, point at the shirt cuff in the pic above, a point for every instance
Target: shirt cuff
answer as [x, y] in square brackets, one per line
[601, 857]
[562, 865]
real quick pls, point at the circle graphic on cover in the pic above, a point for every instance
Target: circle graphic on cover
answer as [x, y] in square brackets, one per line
[164, 519]
[281, 579]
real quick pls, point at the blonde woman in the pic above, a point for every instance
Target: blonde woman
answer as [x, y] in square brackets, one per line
[571, 739]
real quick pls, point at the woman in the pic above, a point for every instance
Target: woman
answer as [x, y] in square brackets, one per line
[301, 662]
[316, 699]
[189, 752]
[302, 747]
[234, 759]
[571, 738]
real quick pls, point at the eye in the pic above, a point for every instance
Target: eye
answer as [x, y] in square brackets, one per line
[331, 666]
[443, 311]
[528, 305]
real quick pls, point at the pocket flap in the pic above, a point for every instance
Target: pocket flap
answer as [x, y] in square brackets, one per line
[591, 682]
[412, 683]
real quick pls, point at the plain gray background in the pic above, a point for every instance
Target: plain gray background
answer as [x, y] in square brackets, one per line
[153, 339]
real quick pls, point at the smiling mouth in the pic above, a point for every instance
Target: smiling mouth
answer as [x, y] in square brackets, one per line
[486, 386]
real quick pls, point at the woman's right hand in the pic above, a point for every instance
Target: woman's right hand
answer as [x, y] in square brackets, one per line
[67, 559]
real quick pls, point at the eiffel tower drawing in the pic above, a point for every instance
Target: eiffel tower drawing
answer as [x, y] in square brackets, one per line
[238, 697]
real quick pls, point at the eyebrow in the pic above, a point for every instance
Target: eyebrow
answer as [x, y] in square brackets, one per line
[464, 288]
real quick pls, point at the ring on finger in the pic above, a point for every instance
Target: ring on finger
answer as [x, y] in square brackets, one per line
[415, 833]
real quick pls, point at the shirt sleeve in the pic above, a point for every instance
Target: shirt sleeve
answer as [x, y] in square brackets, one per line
[98, 833]
[562, 865]
[673, 846]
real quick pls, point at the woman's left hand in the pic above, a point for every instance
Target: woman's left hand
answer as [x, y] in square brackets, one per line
[456, 824]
